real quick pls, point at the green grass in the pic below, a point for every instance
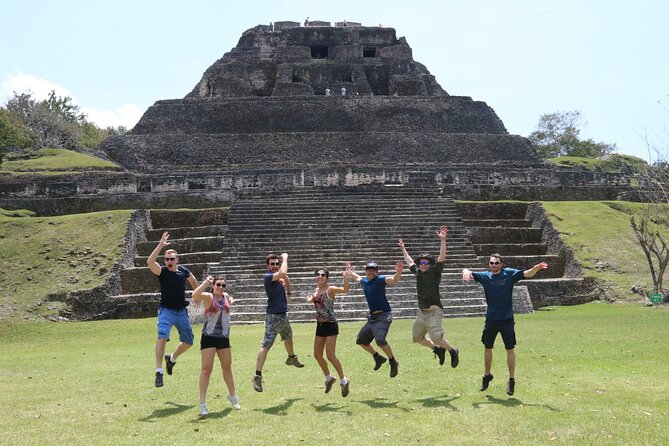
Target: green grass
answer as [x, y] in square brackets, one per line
[45, 255]
[601, 232]
[53, 161]
[591, 374]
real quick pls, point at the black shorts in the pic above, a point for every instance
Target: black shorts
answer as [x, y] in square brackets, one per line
[214, 342]
[505, 328]
[325, 329]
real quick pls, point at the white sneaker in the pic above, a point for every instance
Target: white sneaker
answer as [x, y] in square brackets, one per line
[234, 400]
[203, 410]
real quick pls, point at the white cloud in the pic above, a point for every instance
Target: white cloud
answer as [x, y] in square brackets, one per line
[126, 115]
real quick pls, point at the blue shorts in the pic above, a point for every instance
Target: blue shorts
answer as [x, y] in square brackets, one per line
[168, 317]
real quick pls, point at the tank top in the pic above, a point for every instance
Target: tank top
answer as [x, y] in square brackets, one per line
[324, 307]
[217, 323]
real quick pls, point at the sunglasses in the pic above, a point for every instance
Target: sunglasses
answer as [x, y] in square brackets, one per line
[320, 275]
[220, 285]
[494, 263]
[170, 259]
[273, 263]
[423, 263]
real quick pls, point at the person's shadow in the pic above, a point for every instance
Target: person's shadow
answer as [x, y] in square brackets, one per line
[439, 401]
[330, 407]
[511, 402]
[166, 412]
[281, 409]
[382, 404]
[215, 415]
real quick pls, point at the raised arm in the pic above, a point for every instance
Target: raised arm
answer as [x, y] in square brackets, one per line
[283, 269]
[199, 294]
[286, 284]
[152, 262]
[407, 257]
[441, 233]
[535, 269]
[398, 274]
[346, 285]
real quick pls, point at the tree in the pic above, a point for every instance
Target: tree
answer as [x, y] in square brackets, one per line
[13, 133]
[557, 134]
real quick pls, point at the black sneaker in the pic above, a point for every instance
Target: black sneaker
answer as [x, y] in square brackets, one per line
[379, 361]
[159, 379]
[440, 352]
[455, 357]
[486, 380]
[169, 364]
[344, 388]
[393, 367]
[510, 386]
[328, 384]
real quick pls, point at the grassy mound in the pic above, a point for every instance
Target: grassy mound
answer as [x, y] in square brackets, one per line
[54, 161]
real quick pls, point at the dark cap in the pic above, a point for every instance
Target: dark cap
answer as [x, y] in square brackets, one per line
[427, 257]
[372, 265]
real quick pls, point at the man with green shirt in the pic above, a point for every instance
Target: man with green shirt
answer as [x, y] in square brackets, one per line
[430, 311]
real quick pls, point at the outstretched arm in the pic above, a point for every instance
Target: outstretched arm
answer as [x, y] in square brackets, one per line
[151, 262]
[535, 269]
[467, 275]
[441, 233]
[407, 257]
[398, 274]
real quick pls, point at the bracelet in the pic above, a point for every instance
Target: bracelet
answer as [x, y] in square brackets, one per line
[287, 292]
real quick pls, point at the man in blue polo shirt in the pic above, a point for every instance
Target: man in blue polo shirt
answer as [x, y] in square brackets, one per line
[380, 316]
[498, 286]
[173, 303]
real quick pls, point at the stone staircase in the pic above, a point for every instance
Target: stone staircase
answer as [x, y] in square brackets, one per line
[328, 227]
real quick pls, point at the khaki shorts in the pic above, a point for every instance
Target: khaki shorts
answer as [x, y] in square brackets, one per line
[428, 322]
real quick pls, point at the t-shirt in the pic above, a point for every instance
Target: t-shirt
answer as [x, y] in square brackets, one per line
[375, 293]
[427, 285]
[173, 287]
[499, 291]
[276, 295]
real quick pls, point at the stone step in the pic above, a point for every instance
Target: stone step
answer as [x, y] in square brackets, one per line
[179, 218]
[153, 235]
[511, 249]
[189, 257]
[498, 222]
[194, 244]
[142, 280]
[509, 235]
[484, 210]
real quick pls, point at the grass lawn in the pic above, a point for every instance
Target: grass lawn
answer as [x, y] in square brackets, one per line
[53, 161]
[591, 374]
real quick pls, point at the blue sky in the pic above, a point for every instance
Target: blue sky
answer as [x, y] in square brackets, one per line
[525, 58]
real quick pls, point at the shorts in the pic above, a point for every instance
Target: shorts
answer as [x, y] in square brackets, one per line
[428, 322]
[505, 328]
[325, 329]
[167, 317]
[376, 328]
[276, 324]
[214, 342]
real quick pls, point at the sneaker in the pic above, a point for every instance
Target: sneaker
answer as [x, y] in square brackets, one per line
[393, 367]
[379, 361]
[486, 380]
[234, 400]
[455, 357]
[170, 365]
[344, 388]
[203, 410]
[328, 384]
[510, 386]
[294, 361]
[257, 383]
[440, 352]
[159, 379]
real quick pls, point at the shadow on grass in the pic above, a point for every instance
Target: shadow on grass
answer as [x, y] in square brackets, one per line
[215, 415]
[439, 401]
[167, 411]
[330, 407]
[511, 402]
[281, 409]
[382, 404]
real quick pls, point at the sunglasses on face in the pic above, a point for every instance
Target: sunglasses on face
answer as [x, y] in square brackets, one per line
[320, 275]
[273, 263]
[423, 263]
[170, 259]
[220, 285]
[494, 263]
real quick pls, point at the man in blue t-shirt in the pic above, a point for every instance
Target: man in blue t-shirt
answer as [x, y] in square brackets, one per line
[498, 286]
[277, 287]
[173, 303]
[380, 317]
